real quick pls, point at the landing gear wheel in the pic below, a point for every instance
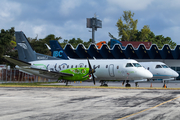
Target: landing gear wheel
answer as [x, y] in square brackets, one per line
[103, 83]
[127, 85]
[66, 83]
[123, 82]
[136, 84]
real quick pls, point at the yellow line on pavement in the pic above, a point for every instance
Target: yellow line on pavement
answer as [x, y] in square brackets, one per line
[148, 108]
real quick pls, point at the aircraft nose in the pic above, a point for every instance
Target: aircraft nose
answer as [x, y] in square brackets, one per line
[147, 74]
[175, 74]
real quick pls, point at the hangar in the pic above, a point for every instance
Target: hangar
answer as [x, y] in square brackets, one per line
[169, 56]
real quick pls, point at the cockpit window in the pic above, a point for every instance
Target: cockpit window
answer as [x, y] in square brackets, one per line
[129, 65]
[137, 65]
[158, 66]
[164, 66]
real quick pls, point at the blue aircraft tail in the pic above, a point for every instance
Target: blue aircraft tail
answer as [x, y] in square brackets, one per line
[57, 50]
[25, 51]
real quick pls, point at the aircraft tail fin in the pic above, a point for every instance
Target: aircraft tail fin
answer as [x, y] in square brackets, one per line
[25, 51]
[57, 50]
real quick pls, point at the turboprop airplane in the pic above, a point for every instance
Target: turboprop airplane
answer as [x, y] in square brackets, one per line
[158, 69]
[119, 69]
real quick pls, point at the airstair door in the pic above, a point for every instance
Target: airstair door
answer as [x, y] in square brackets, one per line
[111, 70]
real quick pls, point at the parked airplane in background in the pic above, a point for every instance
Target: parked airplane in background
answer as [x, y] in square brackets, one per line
[119, 69]
[158, 69]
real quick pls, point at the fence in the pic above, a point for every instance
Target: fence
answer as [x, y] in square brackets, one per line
[16, 76]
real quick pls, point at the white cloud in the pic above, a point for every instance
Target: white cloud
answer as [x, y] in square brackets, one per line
[130, 4]
[173, 33]
[9, 10]
[66, 6]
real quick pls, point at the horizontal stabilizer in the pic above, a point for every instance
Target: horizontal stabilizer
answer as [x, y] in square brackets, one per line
[16, 61]
[51, 73]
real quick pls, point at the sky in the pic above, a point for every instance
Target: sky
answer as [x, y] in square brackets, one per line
[67, 18]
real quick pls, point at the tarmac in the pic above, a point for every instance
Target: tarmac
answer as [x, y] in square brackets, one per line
[159, 84]
[89, 104]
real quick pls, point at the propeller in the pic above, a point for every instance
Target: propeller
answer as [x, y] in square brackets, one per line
[91, 71]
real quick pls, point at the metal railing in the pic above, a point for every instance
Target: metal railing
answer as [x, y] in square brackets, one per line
[16, 76]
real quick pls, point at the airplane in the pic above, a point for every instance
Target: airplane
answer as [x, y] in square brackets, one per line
[158, 69]
[118, 69]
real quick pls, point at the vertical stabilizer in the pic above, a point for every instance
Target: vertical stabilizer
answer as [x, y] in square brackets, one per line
[57, 50]
[25, 51]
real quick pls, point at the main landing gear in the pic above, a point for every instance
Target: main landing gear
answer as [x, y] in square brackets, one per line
[127, 83]
[136, 84]
[66, 82]
[103, 83]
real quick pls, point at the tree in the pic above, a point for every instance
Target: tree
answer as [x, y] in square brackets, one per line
[75, 42]
[7, 43]
[128, 29]
[86, 44]
[39, 45]
[161, 41]
[144, 33]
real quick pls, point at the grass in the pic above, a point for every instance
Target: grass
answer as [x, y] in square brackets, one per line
[42, 84]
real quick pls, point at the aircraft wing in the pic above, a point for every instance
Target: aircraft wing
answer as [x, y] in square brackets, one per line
[16, 61]
[27, 65]
[51, 73]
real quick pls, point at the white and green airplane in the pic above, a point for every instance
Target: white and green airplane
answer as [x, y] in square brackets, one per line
[75, 70]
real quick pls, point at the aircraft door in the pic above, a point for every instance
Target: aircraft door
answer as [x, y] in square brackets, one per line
[111, 70]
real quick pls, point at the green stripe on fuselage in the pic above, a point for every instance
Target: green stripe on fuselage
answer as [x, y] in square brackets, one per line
[78, 73]
[43, 66]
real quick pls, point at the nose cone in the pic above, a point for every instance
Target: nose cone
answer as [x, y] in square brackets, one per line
[146, 74]
[175, 74]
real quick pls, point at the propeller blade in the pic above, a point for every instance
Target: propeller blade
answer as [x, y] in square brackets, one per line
[89, 64]
[93, 79]
[91, 71]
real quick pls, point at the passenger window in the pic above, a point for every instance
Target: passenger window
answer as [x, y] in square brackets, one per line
[71, 66]
[158, 66]
[129, 65]
[106, 66]
[118, 67]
